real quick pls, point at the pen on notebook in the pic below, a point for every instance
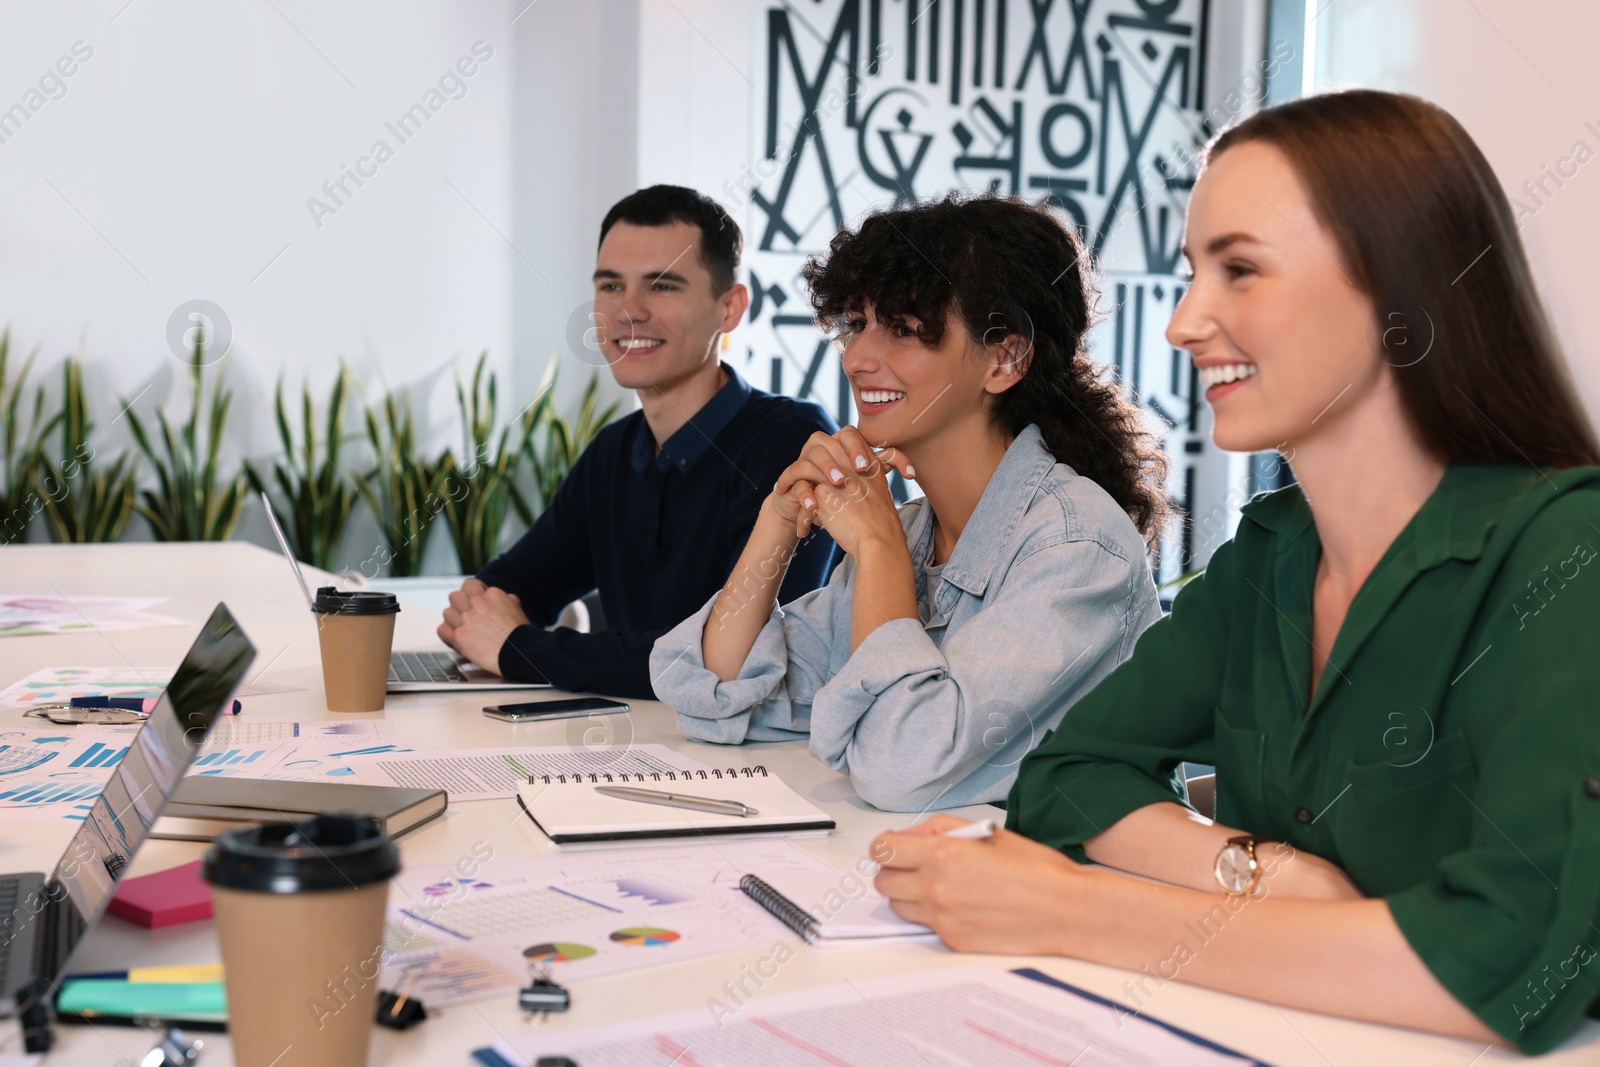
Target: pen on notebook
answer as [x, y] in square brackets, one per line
[981, 830]
[677, 800]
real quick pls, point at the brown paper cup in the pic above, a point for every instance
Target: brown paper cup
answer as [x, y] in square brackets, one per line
[299, 913]
[301, 971]
[355, 659]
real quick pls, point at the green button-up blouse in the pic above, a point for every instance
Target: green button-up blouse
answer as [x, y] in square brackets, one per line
[1449, 760]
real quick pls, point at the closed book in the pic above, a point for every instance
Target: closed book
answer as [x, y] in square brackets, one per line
[570, 809]
[205, 806]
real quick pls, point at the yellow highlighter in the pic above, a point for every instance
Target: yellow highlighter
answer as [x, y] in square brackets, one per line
[183, 972]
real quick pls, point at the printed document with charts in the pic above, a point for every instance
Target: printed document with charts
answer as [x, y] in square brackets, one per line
[472, 929]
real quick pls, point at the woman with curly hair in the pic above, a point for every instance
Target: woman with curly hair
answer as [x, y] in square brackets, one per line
[963, 625]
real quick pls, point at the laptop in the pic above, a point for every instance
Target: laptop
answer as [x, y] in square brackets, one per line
[44, 917]
[429, 671]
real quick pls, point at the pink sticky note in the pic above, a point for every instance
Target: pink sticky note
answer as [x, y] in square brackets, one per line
[166, 898]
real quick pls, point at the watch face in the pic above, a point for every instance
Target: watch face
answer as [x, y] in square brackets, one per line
[1235, 867]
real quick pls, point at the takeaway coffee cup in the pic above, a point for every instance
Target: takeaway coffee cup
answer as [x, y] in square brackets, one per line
[355, 630]
[299, 910]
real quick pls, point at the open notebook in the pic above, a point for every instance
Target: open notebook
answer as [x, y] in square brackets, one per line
[570, 811]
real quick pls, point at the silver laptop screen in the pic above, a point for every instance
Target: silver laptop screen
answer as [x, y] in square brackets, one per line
[156, 761]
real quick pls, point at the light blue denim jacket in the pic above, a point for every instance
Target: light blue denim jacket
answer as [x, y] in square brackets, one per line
[1046, 591]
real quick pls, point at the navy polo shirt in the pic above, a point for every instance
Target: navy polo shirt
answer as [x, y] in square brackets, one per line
[656, 532]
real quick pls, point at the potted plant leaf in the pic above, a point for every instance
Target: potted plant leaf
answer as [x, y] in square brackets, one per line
[20, 452]
[84, 503]
[317, 495]
[192, 500]
[480, 486]
[564, 440]
[402, 488]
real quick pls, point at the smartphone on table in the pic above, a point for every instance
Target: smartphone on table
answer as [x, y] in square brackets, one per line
[540, 710]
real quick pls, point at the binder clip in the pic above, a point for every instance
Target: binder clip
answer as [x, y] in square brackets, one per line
[400, 1011]
[542, 996]
[175, 1050]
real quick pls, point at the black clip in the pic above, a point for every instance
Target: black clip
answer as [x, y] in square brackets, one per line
[176, 1049]
[399, 1012]
[543, 996]
[33, 1012]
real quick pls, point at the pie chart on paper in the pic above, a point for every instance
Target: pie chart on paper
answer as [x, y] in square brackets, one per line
[557, 952]
[644, 936]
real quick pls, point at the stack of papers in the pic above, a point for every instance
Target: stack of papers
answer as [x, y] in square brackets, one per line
[952, 1018]
[495, 773]
[56, 772]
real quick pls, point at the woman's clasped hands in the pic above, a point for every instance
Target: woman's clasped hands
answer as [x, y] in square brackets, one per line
[841, 484]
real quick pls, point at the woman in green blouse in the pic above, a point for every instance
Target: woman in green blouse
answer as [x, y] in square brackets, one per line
[1393, 664]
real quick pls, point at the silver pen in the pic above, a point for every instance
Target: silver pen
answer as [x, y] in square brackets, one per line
[677, 800]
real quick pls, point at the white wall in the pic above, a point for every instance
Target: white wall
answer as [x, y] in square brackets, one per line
[1521, 77]
[179, 161]
[576, 100]
[694, 94]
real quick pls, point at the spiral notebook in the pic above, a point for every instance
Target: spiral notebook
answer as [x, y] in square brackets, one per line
[832, 909]
[567, 808]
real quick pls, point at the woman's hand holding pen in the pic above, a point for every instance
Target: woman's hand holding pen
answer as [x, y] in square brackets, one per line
[1003, 894]
[841, 484]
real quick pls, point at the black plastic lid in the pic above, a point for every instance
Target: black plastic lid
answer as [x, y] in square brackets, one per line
[332, 851]
[330, 601]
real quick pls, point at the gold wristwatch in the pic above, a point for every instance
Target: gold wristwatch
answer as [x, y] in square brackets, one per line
[1238, 870]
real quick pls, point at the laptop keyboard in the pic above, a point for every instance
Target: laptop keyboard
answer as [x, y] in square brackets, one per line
[9, 890]
[422, 667]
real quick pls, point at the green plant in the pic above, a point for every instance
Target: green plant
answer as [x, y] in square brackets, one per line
[193, 502]
[402, 489]
[20, 453]
[81, 504]
[564, 441]
[318, 496]
[479, 491]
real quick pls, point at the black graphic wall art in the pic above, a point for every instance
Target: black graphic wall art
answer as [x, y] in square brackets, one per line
[1096, 106]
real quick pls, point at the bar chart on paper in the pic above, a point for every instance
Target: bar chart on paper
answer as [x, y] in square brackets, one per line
[52, 776]
[66, 757]
[35, 792]
[229, 756]
[100, 754]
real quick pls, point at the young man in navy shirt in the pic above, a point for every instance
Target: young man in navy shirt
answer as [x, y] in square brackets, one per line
[656, 511]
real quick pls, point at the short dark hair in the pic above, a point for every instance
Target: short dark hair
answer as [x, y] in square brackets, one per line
[1414, 207]
[662, 205]
[989, 263]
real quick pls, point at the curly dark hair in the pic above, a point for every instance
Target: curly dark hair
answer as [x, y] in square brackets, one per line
[1001, 266]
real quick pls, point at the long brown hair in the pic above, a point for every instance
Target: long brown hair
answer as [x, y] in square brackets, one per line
[1427, 233]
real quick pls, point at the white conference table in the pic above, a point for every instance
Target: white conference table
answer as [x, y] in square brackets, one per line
[261, 594]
